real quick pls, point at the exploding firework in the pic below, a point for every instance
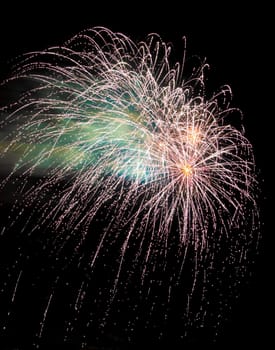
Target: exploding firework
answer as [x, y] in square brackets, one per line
[114, 149]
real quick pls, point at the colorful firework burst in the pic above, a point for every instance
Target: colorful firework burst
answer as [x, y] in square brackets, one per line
[115, 134]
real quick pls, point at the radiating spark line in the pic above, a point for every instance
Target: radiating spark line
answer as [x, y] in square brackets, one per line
[16, 286]
[42, 324]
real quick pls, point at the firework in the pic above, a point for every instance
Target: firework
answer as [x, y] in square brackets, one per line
[114, 133]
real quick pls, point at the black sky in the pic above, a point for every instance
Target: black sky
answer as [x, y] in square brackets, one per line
[236, 41]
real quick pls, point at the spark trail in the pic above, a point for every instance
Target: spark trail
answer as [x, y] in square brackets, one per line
[117, 134]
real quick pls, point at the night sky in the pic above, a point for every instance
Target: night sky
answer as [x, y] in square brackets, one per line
[236, 42]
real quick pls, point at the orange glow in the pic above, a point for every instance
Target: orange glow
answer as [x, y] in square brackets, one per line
[187, 169]
[193, 135]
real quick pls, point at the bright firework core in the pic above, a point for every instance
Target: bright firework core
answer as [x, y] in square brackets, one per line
[187, 170]
[114, 134]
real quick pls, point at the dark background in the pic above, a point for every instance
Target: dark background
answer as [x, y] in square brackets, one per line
[236, 40]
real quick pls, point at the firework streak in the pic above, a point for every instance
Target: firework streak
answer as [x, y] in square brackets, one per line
[116, 137]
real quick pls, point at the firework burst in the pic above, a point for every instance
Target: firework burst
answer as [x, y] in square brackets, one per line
[114, 134]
